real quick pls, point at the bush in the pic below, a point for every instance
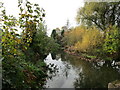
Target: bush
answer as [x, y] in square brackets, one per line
[43, 45]
[90, 40]
[19, 73]
[84, 39]
[112, 40]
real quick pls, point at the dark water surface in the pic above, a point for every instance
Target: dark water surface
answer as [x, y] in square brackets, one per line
[71, 72]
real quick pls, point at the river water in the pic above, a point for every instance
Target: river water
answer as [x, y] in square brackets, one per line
[71, 72]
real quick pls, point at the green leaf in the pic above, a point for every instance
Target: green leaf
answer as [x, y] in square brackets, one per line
[36, 5]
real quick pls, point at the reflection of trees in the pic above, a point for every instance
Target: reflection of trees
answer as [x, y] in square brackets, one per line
[56, 55]
[56, 71]
[53, 56]
[66, 70]
[93, 78]
[92, 75]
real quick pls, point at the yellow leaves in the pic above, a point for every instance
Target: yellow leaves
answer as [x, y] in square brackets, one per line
[11, 37]
[3, 39]
[29, 22]
[22, 15]
[25, 48]
[30, 39]
[11, 56]
[84, 39]
[15, 51]
[18, 41]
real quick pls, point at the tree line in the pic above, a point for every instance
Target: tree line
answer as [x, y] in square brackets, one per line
[98, 33]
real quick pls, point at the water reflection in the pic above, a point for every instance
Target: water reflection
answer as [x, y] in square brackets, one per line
[75, 73]
[96, 78]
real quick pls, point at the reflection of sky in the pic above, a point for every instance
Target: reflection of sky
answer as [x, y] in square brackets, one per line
[57, 11]
[65, 77]
[74, 72]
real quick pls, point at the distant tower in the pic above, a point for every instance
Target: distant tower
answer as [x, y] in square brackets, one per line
[68, 24]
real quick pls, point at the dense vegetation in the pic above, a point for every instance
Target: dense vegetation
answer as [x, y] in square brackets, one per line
[23, 65]
[98, 34]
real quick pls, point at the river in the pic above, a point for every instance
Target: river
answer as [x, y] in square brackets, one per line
[71, 72]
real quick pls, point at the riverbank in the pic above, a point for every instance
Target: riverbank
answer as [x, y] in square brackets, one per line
[84, 56]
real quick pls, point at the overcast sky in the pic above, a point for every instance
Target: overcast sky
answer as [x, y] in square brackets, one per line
[57, 11]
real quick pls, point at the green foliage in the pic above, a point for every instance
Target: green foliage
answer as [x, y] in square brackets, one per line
[99, 14]
[54, 34]
[57, 35]
[43, 44]
[18, 49]
[29, 21]
[62, 33]
[92, 41]
[19, 73]
[89, 56]
[112, 40]
[99, 33]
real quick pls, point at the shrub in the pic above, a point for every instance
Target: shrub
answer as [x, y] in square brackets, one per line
[84, 39]
[112, 40]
